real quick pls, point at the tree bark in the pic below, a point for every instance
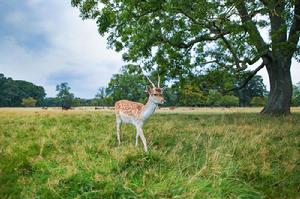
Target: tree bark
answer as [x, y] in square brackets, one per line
[280, 96]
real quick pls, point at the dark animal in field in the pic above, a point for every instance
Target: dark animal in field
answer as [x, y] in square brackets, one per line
[172, 107]
[66, 107]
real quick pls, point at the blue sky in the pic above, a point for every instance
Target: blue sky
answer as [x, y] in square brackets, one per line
[45, 42]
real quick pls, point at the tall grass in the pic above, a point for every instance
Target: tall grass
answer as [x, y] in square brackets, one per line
[74, 154]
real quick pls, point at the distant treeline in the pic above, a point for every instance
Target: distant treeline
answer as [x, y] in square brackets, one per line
[13, 92]
[208, 90]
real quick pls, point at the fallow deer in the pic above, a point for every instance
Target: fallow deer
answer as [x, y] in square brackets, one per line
[136, 113]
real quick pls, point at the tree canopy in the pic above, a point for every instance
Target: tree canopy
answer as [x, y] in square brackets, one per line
[12, 92]
[182, 37]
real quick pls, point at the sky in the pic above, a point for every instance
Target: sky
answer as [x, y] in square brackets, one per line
[47, 43]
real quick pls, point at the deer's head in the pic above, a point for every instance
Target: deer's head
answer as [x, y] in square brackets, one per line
[156, 93]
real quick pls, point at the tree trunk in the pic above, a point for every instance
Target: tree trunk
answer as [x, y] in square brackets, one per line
[280, 96]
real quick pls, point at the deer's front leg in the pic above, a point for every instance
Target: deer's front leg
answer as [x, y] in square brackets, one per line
[141, 134]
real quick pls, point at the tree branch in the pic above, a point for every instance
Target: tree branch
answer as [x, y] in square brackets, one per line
[233, 52]
[189, 44]
[252, 74]
[187, 15]
[250, 26]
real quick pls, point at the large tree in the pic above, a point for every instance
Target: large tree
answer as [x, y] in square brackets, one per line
[64, 95]
[184, 36]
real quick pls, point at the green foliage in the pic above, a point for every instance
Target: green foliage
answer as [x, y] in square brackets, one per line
[258, 101]
[214, 98]
[223, 80]
[187, 34]
[64, 95]
[254, 88]
[29, 102]
[51, 101]
[296, 95]
[192, 91]
[192, 155]
[191, 96]
[100, 98]
[12, 92]
[229, 101]
[127, 85]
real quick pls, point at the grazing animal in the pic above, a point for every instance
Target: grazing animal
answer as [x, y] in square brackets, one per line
[66, 107]
[136, 113]
[172, 108]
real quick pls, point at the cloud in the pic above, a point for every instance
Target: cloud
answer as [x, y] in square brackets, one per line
[47, 43]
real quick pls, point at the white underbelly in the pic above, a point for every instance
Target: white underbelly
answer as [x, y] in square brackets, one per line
[127, 119]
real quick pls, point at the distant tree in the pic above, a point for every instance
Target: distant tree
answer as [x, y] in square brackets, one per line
[258, 101]
[100, 98]
[51, 102]
[29, 102]
[78, 102]
[109, 101]
[127, 85]
[191, 96]
[64, 95]
[229, 101]
[226, 82]
[296, 95]
[171, 96]
[254, 88]
[214, 98]
[221, 80]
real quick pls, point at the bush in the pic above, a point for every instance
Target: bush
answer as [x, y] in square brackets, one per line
[191, 96]
[29, 102]
[214, 98]
[229, 100]
[258, 101]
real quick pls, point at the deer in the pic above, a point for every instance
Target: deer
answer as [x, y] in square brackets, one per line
[129, 112]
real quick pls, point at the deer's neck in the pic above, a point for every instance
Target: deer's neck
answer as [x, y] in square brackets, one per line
[148, 109]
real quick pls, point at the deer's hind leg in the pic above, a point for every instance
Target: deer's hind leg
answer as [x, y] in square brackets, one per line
[118, 125]
[137, 136]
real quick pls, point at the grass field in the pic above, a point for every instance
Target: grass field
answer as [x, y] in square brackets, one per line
[200, 153]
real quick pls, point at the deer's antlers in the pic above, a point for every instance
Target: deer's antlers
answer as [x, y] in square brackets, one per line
[153, 85]
[150, 81]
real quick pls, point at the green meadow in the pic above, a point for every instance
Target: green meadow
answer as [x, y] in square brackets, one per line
[205, 153]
